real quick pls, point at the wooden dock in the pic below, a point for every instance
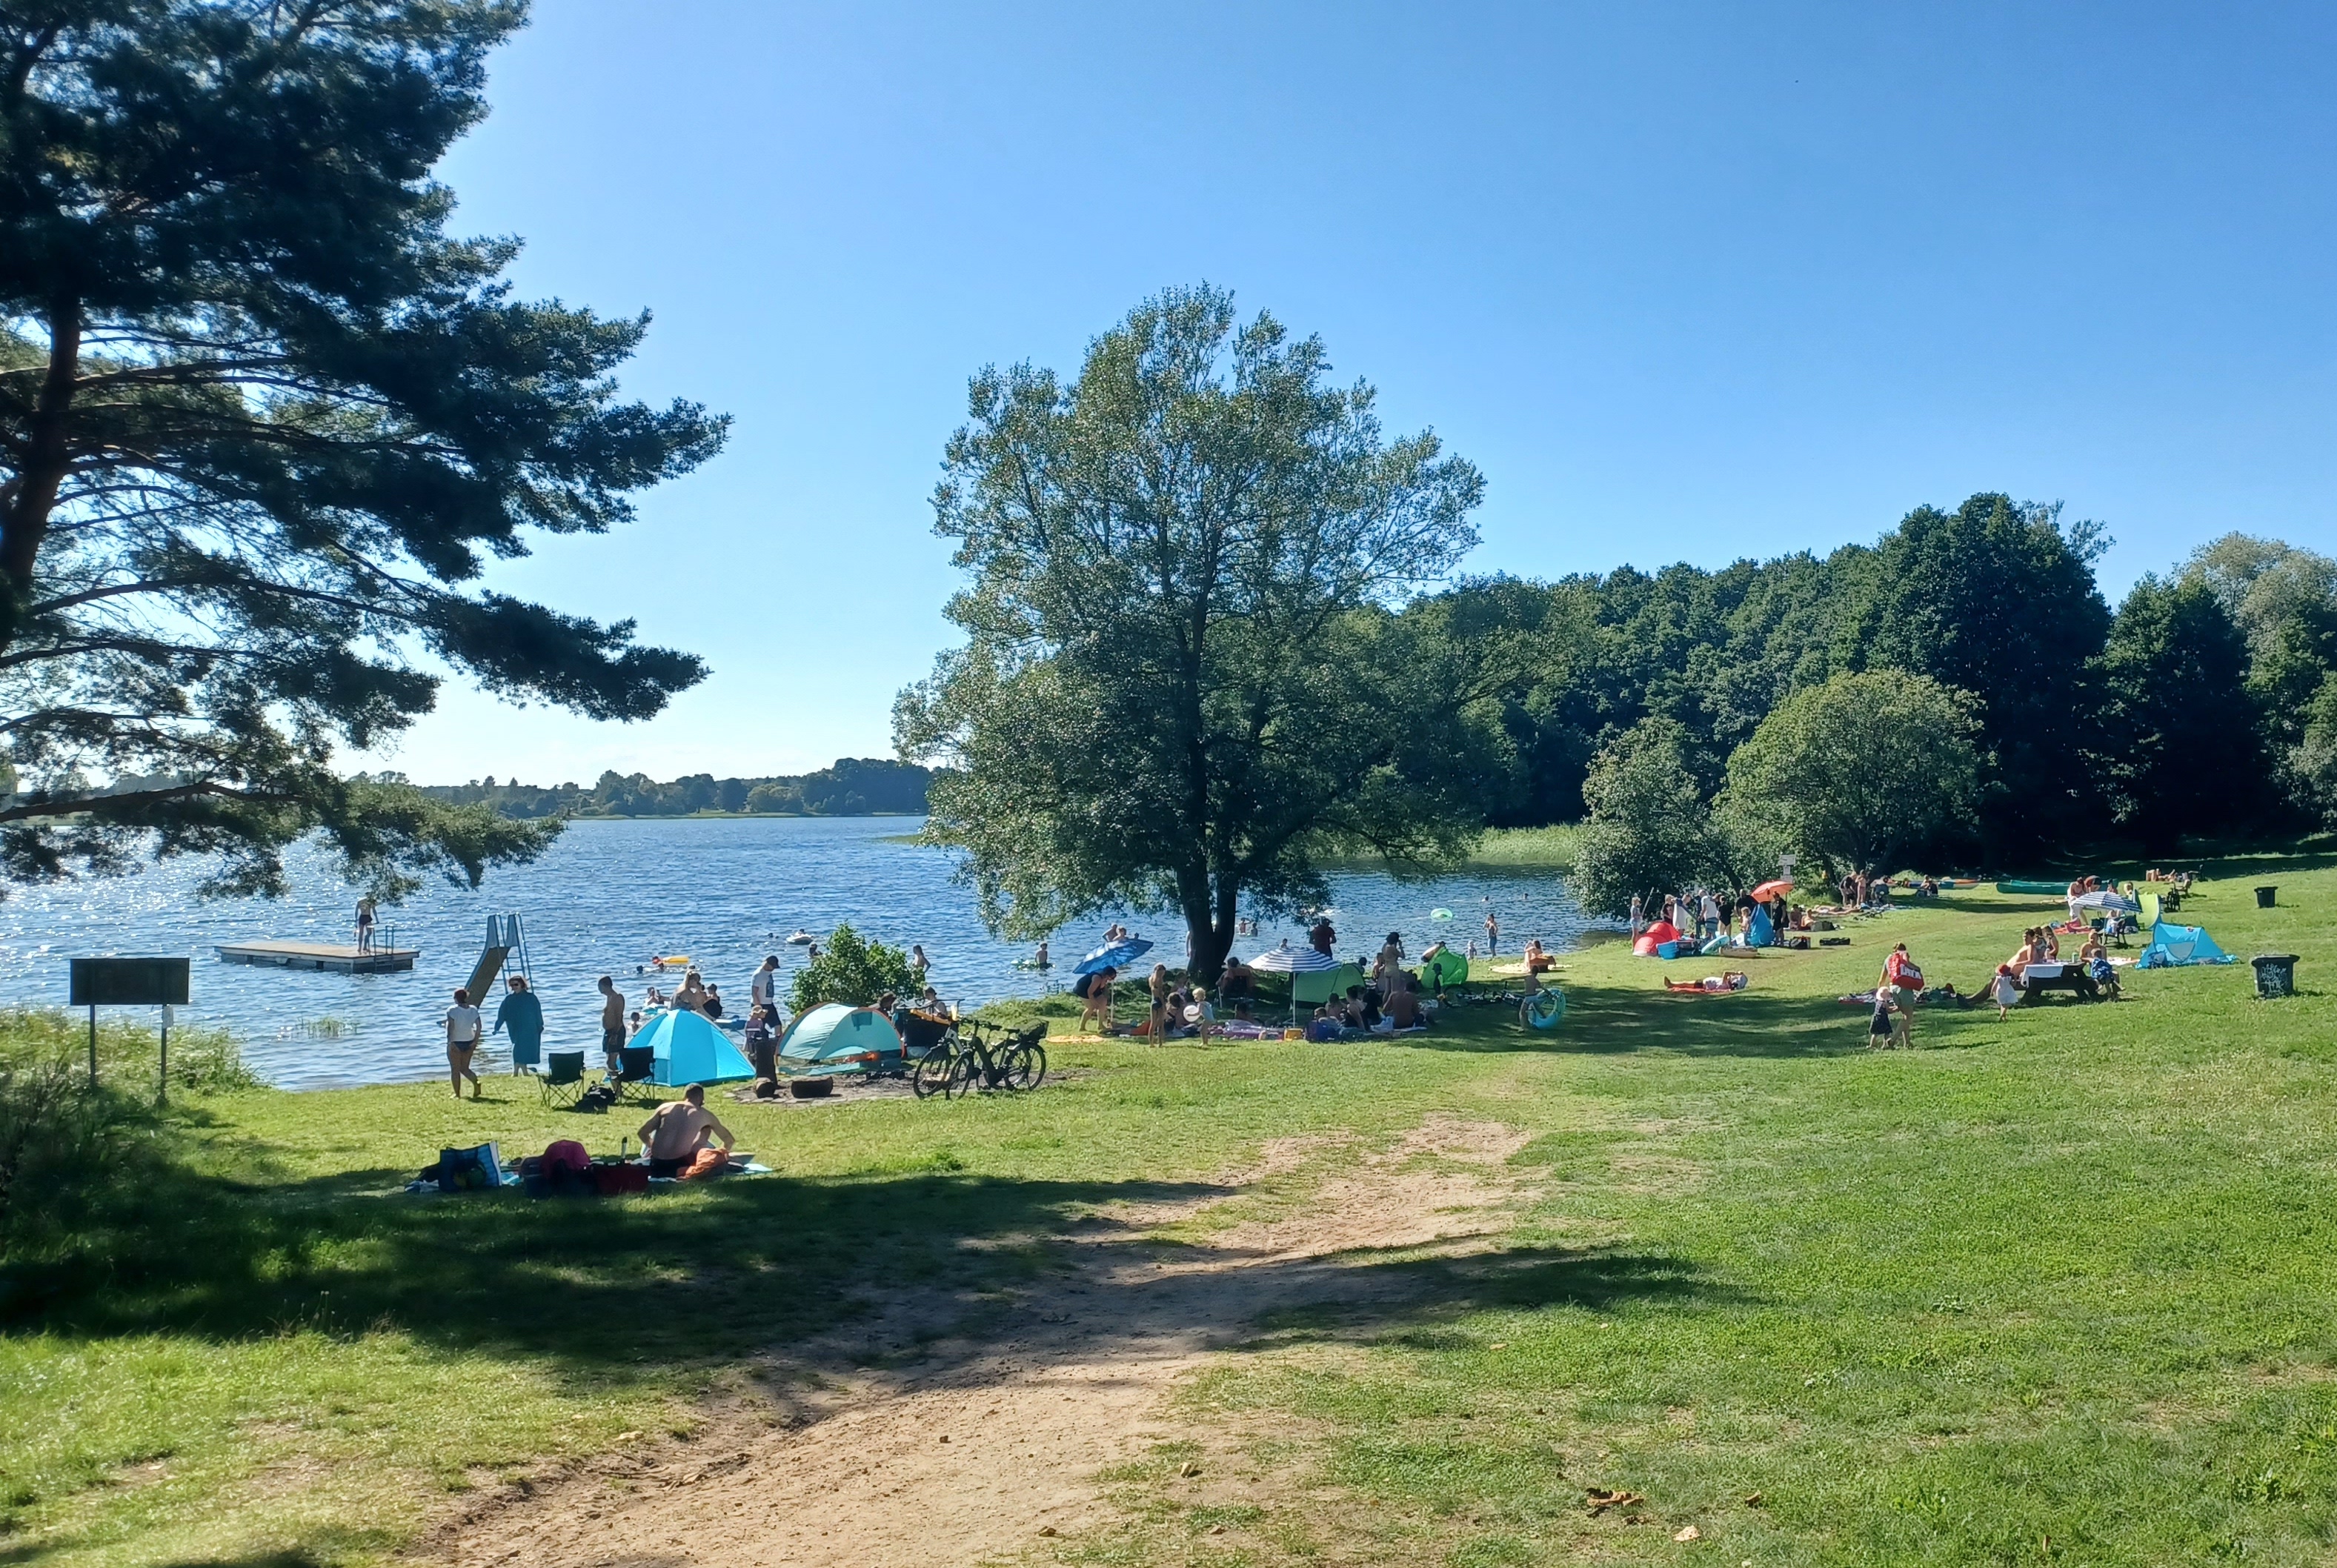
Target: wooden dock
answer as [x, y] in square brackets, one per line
[341, 958]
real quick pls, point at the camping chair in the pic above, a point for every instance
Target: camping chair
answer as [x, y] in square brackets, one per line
[564, 1078]
[639, 1067]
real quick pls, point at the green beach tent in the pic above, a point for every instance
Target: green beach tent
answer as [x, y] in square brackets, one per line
[833, 1038]
[1311, 988]
[1447, 968]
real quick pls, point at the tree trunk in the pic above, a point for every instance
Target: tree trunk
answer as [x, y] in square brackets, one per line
[1208, 924]
[48, 457]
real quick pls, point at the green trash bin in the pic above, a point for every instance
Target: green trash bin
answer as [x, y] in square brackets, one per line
[2275, 974]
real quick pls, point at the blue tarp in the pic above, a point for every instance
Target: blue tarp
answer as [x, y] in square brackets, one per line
[833, 1038]
[691, 1050]
[1758, 930]
[2172, 947]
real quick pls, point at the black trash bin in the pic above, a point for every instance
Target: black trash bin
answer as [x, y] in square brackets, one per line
[2264, 897]
[2275, 974]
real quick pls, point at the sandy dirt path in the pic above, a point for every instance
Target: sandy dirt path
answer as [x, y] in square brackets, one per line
[874, 1469]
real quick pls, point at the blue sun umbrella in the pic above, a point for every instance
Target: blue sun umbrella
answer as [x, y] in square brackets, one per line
[1117, 956]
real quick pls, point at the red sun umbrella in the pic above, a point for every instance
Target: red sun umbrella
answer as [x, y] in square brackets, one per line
[1768, 890]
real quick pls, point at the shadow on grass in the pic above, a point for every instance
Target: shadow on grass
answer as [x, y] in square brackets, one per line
[616, 1291]
[612, 1287]
[1605, 1021]
[1414, 1302]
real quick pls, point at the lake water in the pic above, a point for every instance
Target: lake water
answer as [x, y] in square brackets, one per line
[610, 895]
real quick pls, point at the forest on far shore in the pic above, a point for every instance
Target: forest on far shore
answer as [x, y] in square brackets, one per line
[849, 787]
[2202, 706]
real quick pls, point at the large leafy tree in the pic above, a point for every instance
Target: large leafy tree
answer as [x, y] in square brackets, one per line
[263, 421]
[1648, 830]
[1998, 599]
[2184, 751]
[2284, 599]
[1186, 678]
[1861, 772]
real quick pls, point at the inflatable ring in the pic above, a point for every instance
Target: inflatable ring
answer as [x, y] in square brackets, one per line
[1545, 1008]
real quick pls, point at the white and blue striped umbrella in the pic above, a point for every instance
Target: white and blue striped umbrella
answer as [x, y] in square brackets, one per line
[1289, 960]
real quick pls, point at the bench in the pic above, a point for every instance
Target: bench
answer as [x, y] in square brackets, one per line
[2069, 977]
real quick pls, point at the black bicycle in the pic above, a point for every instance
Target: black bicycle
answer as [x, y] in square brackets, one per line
[983, 1056]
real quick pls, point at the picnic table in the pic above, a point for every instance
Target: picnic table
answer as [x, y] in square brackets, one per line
[2069, 977]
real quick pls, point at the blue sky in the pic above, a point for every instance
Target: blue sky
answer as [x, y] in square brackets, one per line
[1686, 282]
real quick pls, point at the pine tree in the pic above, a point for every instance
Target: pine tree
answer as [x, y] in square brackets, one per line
[263, 420]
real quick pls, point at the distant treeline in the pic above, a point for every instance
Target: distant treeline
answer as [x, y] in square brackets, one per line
[852, 786]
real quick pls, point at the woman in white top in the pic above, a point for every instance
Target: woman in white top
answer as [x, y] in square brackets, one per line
[462, 1039]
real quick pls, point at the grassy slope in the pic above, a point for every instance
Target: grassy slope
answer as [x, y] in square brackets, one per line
[2057, 1288]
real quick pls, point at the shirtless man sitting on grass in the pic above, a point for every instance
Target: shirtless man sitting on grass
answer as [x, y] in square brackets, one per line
[677, 1130]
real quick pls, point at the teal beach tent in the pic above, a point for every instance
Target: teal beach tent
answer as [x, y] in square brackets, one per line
[2172, 947]
[691, 1050]
[833, 1038]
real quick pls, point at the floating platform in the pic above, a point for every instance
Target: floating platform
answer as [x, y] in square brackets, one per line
[340, 959]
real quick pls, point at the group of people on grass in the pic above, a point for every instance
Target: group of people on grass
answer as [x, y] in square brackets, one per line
[520, 1015]
[1180, 1007]
[1701, 914]
[1900, 985]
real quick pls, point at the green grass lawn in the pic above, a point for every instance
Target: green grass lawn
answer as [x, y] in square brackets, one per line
[2059, 1289]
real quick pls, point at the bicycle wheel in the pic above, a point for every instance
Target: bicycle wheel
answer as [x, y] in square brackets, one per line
[965, 1074]
[1024, 1066]
[932, 1072]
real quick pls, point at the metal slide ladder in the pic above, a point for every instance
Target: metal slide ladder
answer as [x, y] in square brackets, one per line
[505, 954]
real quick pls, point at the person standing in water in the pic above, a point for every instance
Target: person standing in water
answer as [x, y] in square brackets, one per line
[521, 1011]
[1492, 933]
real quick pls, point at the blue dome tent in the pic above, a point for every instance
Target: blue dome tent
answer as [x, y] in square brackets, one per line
[2174, 946]
[833, 1038]
[691, 1050]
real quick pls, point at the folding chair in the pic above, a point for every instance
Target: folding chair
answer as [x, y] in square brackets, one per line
[639, 1067]
[564, 1078]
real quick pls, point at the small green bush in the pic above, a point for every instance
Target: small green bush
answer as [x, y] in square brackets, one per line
[852, 972]
[74, 1153]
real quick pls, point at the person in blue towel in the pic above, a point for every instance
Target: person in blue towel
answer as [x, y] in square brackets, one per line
[522, 1013]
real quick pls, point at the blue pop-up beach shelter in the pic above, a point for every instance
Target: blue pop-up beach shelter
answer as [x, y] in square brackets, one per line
[691, 1050]
[833, 1038]
[2172, 947]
